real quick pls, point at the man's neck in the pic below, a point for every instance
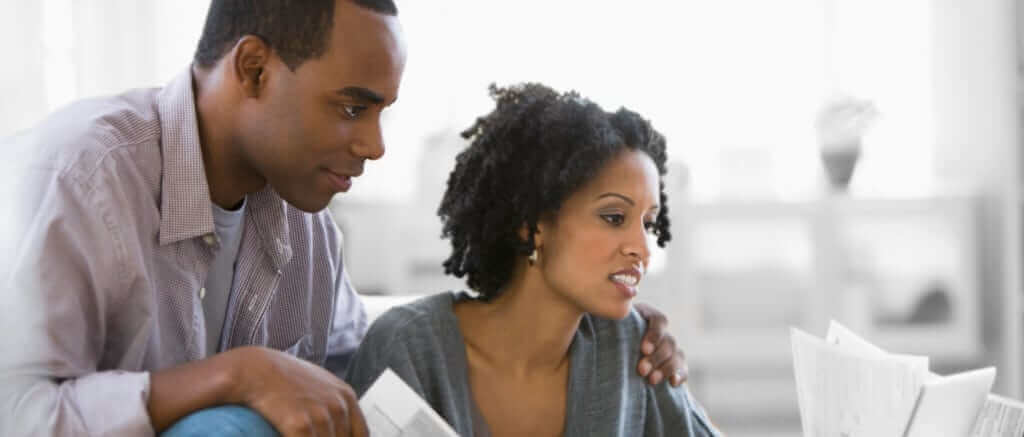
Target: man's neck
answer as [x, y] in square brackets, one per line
[227, 173]
[527, 329]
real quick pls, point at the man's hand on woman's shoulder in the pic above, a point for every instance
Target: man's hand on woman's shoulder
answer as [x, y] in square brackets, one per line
[659, 352]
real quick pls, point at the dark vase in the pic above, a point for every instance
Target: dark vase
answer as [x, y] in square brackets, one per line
[840, 162]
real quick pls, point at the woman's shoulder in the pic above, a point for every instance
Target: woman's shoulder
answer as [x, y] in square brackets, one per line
[409, 319]
[407, 338]
[627, 331]
[656, 410]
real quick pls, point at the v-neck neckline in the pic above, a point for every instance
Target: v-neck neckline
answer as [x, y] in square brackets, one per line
[582, 365]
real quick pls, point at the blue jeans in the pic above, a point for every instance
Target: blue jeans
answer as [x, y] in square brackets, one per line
[226, 420]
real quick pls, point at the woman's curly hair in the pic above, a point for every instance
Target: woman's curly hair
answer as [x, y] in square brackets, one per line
[526, 157]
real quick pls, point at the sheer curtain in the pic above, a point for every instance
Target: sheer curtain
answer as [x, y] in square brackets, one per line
[734, 84]
[64, 50]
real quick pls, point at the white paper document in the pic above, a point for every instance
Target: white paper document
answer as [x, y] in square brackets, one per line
[950, 403]
[393, 409]
[1000, 417]
[848, 387]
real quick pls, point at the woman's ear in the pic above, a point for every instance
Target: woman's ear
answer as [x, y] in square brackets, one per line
[524, 233]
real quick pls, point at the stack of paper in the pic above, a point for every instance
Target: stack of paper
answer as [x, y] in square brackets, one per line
[1001, 417]
[393, 409]
[848, 387]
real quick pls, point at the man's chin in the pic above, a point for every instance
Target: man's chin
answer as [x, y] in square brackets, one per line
[308, 203]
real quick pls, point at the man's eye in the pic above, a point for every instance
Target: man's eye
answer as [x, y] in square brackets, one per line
[613, 219]
[352, 111]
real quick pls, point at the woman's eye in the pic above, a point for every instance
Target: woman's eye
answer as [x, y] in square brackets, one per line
[614, 219]
[649, 226]
[352, 111]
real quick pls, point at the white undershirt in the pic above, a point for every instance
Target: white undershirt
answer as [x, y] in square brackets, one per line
[219, 281]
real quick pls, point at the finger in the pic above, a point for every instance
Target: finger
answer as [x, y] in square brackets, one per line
[355, 414]
[296, 425]
[669, 366]
[644, 367]
[657, 325]
[359, 428]
[682, 374]
[339, 417]
[655, 378]
[323, 423]
[343, 426]
[647, 347]
[664, 353]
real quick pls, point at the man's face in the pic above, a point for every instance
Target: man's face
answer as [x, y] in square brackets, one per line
[310, 131]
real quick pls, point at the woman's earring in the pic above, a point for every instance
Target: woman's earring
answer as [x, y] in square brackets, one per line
[533, 257]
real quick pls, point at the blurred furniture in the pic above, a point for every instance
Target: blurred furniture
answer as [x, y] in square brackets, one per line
[739, 274]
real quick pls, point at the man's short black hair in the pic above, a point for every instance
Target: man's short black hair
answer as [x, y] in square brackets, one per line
[297, 30]
[525, 159]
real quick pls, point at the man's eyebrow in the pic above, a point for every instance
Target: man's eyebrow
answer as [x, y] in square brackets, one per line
[628, 200]
[360, 93]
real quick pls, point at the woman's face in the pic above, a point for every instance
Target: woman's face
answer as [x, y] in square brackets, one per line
[595, 251]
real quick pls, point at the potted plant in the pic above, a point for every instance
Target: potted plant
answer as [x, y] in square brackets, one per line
[841, 124]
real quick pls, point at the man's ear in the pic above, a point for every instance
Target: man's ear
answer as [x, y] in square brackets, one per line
[249, 61]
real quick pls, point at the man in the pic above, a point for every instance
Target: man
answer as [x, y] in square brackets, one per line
[174, 252]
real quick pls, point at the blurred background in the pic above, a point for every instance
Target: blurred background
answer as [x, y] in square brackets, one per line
[857, 160]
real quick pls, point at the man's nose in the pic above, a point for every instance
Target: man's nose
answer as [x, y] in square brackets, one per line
[369, 141]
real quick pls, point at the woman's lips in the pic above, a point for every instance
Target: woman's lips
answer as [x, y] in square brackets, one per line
[627, 291]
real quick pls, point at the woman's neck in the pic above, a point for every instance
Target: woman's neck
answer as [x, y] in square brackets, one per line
[526, 329]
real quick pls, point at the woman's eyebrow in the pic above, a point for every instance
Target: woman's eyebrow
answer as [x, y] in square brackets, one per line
[626, 199]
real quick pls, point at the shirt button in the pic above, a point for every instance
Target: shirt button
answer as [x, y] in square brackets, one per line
[202, 293]
[210, 239]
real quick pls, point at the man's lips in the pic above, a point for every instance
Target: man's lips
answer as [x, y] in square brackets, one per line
[339, 182]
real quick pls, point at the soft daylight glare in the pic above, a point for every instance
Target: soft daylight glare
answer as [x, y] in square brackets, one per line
[918, 249]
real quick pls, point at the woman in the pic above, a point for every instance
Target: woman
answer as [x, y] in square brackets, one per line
[548, 211]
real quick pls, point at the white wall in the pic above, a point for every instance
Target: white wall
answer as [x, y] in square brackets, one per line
[977, 145]
[21, 78]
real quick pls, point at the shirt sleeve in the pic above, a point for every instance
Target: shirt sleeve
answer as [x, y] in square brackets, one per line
[58, 289]
[349, 323]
